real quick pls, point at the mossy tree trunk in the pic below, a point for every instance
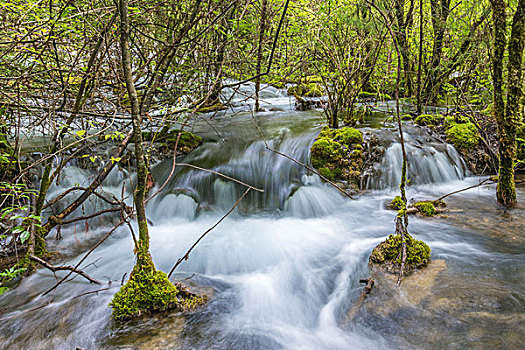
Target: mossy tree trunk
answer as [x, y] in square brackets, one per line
[507, 114]
[147, 289]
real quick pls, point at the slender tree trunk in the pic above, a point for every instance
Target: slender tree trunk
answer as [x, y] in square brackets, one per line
[439, 11]
[262, 30]
[420, 57]
[142, 170]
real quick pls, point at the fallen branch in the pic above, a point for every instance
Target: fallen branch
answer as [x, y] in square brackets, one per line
[366, 290]
[64, 268]
[464, 189]
[225, 176]
[86, 255]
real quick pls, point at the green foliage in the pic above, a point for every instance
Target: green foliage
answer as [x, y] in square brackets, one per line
[426, 208]
[327, 173]
[390, 251]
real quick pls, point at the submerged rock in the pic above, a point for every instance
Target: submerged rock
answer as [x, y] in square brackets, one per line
[165, 140]
[388, 254]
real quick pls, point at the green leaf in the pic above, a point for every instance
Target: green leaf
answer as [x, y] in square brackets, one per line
[81, 133]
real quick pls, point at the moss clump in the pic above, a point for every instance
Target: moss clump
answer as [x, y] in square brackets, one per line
[338, 154]
[149, 290]
[312, 79]
[397, 203]
[366, 95]
[461, 132]
[168, 138]
[426, 208]
[390, 252]
[329, 174]
[219, 106]
[306, 90]
[325, 150]
[428, 119]
[406, 117]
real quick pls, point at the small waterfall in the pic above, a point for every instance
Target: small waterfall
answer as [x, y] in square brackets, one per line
[278, 176]
[429, 161]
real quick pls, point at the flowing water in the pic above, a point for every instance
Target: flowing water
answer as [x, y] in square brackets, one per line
[282, 271]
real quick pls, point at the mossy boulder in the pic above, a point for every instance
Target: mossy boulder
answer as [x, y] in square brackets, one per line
[306, 90]
[149, 290]
[426, 208]
[428, 119]
[373, 96]
[389, 253]
[338, 154]
[167, 138]
[462, 133]
[218, 106]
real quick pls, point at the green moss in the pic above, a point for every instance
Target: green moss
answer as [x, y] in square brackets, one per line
[327, 173]
[213, 108]
[521, 149]
[149, 290]
[312, 79]
[168, 138]
[384, 97]
[348, 136]
[426, 208]
[366, 94]
[325, 150]
[397, 203]
[407, 117]
[463, 135]
[428, 119]
[390, 250]
[306, 90]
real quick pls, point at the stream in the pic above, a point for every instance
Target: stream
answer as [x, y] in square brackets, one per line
[282, 272]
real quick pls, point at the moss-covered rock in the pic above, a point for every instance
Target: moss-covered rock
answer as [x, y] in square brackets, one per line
[461, 132]
[338, 154]
[407, 117]
[218, 106]
[389, 253]
[426, 208]
[167, 139]
[306, 90]
[428, 119]
[149, 290]
[373, 96]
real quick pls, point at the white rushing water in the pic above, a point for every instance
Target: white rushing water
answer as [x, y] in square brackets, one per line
[284, 268]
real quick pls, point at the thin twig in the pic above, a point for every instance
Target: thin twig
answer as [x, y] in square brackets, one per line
[64, 268]
[186, 256]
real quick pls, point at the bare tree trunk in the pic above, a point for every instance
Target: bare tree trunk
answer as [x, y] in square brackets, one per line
[439, 11]
[262, 30]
